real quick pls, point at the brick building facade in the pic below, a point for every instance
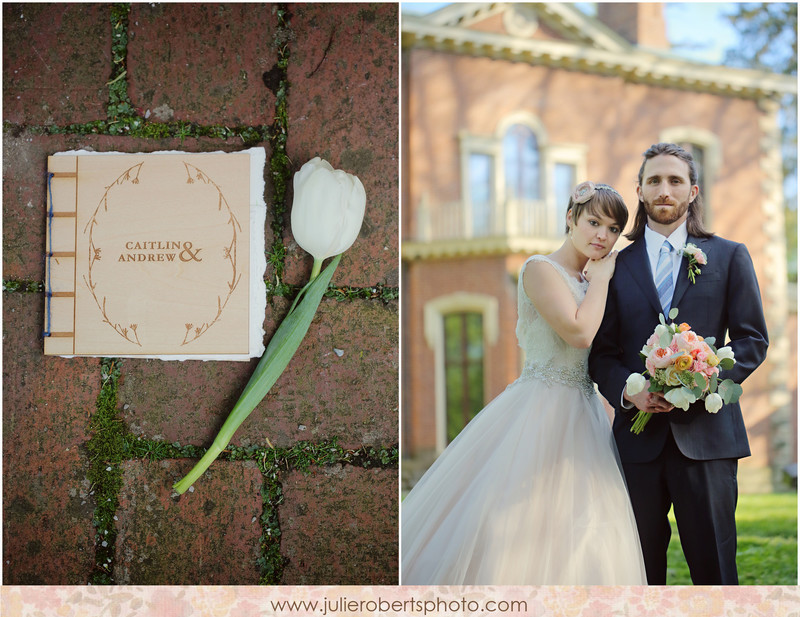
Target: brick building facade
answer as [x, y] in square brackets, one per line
[507, 106]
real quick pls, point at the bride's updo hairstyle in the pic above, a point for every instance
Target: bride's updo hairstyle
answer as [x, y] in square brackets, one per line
[597, 199]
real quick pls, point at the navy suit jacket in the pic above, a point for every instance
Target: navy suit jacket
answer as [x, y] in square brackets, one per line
[724, 302]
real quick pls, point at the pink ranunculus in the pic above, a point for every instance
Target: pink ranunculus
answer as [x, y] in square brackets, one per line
[686, 341]
[659, 358]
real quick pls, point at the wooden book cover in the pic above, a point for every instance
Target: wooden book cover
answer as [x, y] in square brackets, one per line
[155, 255]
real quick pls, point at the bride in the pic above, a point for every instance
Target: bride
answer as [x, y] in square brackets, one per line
[531, 491]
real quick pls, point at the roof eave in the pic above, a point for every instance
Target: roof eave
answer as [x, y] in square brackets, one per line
[636, 66]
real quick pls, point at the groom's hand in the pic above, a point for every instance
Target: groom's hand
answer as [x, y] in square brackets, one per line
[651, 402]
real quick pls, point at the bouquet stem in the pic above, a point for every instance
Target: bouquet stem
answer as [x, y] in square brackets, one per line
[640, 421]
[279, 352]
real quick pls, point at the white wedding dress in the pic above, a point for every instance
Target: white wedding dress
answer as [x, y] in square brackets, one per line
[531, 491]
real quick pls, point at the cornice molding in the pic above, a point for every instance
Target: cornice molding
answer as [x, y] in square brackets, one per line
[573, 24]
[477, 247]
[634, 65]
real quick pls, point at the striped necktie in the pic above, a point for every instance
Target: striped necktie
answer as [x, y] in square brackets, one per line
[664, 284]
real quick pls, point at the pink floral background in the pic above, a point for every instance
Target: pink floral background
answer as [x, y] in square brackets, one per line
[368, 601]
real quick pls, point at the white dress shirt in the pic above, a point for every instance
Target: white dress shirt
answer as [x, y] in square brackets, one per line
[653, 242]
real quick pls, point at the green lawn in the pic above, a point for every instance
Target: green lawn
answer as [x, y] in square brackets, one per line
[767, 549]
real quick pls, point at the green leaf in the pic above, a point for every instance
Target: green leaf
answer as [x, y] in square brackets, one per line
[730, 391]
[700, 381]
[673, 313]
[710, 341]
[726, 364]
[712, 383]
[282, 347]
[665, 339]
[661, 319]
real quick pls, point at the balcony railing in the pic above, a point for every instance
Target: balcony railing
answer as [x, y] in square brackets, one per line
[512, 218]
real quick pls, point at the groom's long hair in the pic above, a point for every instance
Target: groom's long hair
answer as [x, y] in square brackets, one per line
[694, 221]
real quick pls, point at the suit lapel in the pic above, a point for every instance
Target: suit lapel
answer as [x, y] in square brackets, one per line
[638, 265]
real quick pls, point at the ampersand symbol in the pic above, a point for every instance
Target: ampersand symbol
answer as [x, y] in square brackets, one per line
[190, 254]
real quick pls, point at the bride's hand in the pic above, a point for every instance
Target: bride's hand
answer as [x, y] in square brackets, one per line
[601, 269]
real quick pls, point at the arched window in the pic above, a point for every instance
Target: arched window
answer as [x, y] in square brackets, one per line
[521, 163]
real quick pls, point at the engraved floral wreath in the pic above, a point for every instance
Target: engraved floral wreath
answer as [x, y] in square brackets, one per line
[95, 255]
[193, 332]
[229, 252]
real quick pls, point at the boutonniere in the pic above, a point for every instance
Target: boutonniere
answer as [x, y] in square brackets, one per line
[696, 259]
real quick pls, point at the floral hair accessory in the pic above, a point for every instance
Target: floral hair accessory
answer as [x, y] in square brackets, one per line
[696, 258]
[583, 192]
[586, 190]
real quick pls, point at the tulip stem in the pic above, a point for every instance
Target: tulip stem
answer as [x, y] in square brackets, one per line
[315, 269]
[314, 273]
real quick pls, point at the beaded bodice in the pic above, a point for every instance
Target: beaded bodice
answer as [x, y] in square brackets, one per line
[547, 355]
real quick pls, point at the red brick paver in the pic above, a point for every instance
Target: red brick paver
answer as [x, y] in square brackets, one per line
[202, 62]
[343, 107]
[56, 62]
[339, 524]
[209, 536]
[48, 537]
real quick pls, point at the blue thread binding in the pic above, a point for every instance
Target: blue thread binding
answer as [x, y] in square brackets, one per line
[49, 293]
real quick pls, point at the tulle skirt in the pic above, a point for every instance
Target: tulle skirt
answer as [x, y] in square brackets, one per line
[531, 492]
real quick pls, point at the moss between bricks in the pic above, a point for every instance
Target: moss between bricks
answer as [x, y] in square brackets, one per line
[105, 452]
[23, 286]
[110, 442]
[279, 164]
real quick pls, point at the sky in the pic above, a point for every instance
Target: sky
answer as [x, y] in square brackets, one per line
[697, 30]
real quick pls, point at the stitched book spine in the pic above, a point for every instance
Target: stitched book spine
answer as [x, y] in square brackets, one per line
[60, 255]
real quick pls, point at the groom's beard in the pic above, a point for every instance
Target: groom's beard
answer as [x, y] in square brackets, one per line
[666, 215]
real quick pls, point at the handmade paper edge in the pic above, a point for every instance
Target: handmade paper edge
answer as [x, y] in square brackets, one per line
[258, 258]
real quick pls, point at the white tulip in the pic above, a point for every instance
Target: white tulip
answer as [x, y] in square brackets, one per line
[661, 330]
[681, 397]
[713, 403]
[725, 352]
[635, 383]
[327, 210]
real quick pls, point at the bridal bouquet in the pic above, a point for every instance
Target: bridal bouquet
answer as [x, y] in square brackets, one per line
[685, 367]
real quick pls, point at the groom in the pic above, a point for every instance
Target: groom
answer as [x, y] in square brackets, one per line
[687, 459]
